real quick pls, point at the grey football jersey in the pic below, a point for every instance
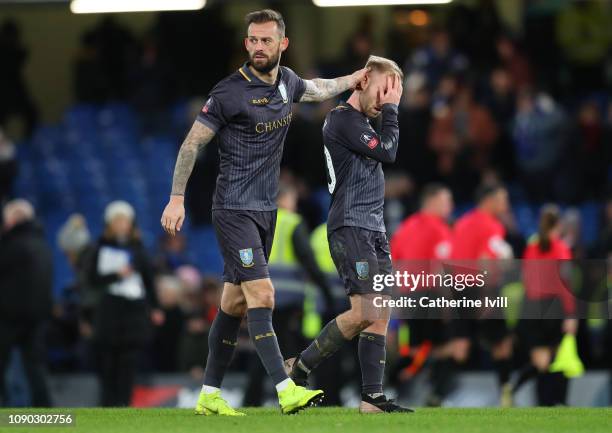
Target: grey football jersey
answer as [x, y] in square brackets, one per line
[251, 119]
[354, 154]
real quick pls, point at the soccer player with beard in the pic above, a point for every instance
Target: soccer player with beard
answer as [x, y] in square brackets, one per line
[250, 111]
[354, 153]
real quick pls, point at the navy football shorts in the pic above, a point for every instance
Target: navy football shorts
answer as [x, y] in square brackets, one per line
[245, 240]
[360, 254]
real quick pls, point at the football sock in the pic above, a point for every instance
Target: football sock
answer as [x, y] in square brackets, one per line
[372, 356]
[282, 385]
[209, 389]
[329, 340]
[222, 341]
[259, 321]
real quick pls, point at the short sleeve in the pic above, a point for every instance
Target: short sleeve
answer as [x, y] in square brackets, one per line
[217, 110]
[497, 248]
[295, 84]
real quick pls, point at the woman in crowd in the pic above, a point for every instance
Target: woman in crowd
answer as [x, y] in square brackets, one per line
[119, 270]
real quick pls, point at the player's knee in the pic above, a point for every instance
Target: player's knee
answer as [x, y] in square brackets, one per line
[379, 326]
[259, 294]
[354, 318]
[363, 323]
[357, 319]
[261, 300]
[266, 300]
[235, 307]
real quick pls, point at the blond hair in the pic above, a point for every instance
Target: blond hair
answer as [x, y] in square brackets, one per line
[384, 65]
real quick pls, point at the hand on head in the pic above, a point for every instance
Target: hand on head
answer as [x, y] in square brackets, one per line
[358, 78]
[392, 93]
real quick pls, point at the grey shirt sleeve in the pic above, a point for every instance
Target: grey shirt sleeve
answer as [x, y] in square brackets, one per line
[358, 136]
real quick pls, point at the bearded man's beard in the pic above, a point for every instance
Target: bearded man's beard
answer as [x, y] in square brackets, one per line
[265, 65]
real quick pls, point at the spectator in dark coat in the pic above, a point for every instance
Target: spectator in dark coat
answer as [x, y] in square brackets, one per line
[26, 267]
[120, 270]
[16, 99]
[539, 136]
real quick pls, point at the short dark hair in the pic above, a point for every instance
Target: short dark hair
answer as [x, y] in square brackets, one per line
[431, 190]
[486, 190]
[266, 16]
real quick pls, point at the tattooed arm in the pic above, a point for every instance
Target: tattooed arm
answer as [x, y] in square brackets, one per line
[199, 136]
[174, 213]
[320, 89]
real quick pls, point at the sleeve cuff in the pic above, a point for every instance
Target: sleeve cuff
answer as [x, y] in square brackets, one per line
[390, 108]
[208, 123]
[298, 95]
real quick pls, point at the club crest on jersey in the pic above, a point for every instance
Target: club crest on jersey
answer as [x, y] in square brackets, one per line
[207, 105]
[283, 91]
[363, 270]
[369, 139]
[246, 256]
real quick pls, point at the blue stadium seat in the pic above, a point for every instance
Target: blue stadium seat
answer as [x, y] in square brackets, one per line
[460, 209]
[203, 250]
[526, 217]
[117, 114]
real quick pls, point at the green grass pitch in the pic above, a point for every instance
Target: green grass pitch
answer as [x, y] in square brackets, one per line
[319, 420]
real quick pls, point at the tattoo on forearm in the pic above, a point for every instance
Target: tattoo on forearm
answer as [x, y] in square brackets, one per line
[199, 136]
[319, 89]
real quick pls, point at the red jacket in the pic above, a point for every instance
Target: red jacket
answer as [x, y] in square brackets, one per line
[542, 273]
[478, 235]
[421, 236]
[420, 241]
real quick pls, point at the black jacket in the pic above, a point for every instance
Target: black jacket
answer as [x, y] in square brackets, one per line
[26, 274]
[116, 319]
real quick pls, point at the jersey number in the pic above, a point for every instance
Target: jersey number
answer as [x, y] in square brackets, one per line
[331, 175]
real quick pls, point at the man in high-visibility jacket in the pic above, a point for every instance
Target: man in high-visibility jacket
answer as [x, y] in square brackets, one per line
[292, 265]
[320, 247]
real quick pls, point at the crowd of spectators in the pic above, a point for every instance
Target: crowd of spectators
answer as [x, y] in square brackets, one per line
[185, 303]
[530, 108]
